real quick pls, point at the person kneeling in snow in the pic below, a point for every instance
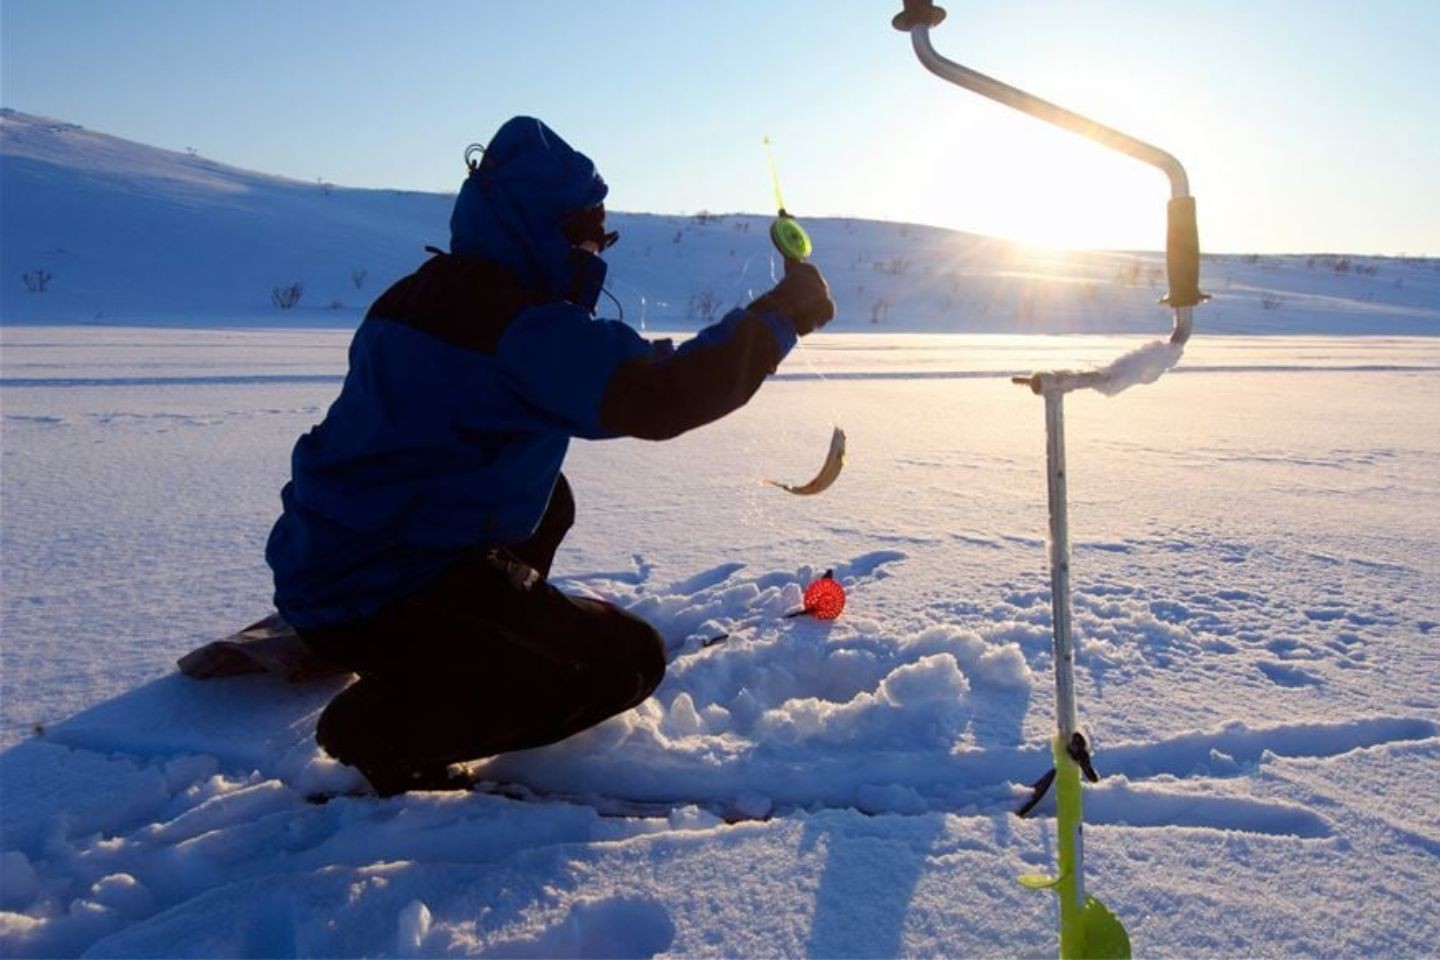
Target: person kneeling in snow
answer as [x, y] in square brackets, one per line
[424, 512]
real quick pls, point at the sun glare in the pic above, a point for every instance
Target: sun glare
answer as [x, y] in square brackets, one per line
[1017, 179]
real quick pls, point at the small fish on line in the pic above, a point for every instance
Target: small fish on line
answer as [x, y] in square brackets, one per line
[829, 472]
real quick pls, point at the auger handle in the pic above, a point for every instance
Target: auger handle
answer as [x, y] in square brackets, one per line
[1182, 242]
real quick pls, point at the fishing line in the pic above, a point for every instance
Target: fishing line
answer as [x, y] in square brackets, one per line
[774, 177]
[618, 305]
[799, 241]
[636, 293]
[804, 353]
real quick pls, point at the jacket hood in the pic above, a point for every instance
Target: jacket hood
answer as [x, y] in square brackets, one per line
[512, 206]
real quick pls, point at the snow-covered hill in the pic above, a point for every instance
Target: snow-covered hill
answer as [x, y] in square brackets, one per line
[96, 229]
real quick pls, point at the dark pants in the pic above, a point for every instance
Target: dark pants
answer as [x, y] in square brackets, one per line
[485, 659]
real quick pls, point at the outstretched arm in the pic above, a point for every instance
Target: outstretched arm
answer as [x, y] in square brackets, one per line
[601, 379]
[658, 397]
[662, 395]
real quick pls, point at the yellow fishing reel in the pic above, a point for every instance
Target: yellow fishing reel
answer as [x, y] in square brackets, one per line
[785, 231]
[790, 238]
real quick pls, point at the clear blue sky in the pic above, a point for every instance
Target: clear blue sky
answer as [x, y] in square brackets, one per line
[1306, 125]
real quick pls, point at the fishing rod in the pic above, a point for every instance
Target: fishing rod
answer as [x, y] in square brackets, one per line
[1087, 927]
[785, 231]
[793, 243]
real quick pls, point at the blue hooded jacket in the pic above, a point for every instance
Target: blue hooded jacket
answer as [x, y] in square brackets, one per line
[467, 380]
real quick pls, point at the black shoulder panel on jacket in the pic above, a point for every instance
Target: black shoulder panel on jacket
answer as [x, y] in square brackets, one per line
[461, 300]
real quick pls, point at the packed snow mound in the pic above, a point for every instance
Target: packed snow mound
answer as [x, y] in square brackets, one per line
[179, 819]
[97, 229]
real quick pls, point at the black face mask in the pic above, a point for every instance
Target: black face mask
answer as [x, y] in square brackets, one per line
[587, 279]
[588, 226]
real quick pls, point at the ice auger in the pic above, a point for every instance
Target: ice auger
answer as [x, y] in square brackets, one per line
[1087, 927]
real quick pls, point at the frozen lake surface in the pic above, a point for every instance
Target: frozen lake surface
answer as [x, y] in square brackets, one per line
[1257, 598]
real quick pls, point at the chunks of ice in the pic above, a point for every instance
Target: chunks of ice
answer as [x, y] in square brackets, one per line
[681, 720]
[412, 927]
[124, 894]
[932, 678]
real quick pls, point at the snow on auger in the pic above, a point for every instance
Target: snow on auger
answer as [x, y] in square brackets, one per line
[1087, 927]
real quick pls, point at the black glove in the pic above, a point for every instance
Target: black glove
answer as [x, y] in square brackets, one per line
[802, 297]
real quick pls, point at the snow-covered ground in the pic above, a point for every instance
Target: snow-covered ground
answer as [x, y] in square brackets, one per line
[1256, 583]
[1255, 569]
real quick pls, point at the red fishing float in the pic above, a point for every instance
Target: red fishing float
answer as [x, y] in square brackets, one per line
[825, 598]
